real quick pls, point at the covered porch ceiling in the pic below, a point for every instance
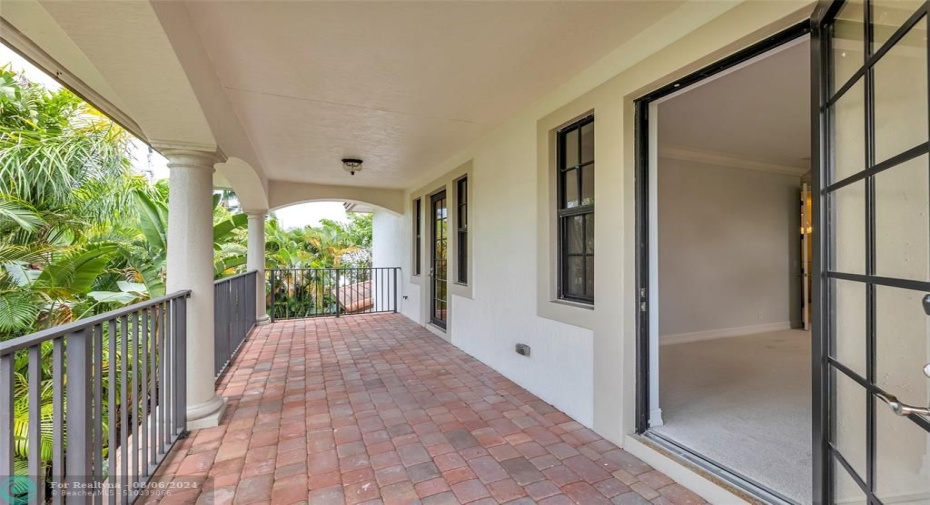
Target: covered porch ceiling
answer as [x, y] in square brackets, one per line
[288, 89]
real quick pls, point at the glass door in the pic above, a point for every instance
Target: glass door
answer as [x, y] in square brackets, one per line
[438, 283]
[872, 200]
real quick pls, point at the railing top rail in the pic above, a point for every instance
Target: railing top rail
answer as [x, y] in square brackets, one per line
[330, 268]
[26, 341]
[231, 277]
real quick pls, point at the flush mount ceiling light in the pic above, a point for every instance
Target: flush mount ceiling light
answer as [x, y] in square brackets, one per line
[351, 165]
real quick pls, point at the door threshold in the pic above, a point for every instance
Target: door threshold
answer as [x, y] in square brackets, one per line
[730, 479]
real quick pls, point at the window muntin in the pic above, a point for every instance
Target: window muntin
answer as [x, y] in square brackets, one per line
[461, 194]
[576, 211]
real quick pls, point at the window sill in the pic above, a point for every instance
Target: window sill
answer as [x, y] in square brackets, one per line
[572, 303]
[568, 312]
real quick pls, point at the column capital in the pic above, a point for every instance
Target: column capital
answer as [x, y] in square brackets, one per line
[190, 156]
[255, 214]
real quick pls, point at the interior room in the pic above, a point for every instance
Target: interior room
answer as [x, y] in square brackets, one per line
[732, 170]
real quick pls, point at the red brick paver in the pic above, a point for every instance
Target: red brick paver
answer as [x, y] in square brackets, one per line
[375, 409]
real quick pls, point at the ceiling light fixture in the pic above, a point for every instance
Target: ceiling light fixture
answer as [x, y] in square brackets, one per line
[351, 165]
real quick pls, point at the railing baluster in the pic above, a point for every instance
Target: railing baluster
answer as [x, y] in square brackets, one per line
[172, 391]
[78, 456]
[234, 314]
[136, 471]
[112, 412]
[6, 414]
[315, 292]
[97, 446]
[165, 359]
[124, 408]
[153, 387]
[217, 326]
[181, 350]
[83, 358]
[58, 419]
[146, 389]
[272, 275]
[336, 290]
[35, 420]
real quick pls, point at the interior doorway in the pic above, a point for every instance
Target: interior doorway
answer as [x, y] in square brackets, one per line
[730, 162]
[734, 360]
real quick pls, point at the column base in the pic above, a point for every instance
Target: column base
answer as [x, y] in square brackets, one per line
[207, 414]
[263, 320]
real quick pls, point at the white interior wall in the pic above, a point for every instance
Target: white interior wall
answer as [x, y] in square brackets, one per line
[729, 250]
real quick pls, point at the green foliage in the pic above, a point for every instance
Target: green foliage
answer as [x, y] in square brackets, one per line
[81, 234]
[331, 244]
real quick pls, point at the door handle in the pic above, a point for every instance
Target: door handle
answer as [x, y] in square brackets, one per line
[902, 409]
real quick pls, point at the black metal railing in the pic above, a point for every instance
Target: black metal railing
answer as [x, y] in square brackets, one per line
[234, 316]
[89, 409]
[312, 292]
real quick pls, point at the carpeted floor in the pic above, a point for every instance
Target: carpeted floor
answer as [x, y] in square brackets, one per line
[744, 402]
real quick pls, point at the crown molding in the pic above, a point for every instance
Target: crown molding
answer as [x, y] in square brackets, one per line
[729, 160]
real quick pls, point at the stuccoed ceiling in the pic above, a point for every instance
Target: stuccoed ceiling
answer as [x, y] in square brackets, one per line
[760, 112]
[402, 85]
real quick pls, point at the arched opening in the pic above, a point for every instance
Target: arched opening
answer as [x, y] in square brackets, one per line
[327, 257]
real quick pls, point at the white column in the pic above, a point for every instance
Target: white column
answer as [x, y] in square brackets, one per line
[256, 259]
[190, 266]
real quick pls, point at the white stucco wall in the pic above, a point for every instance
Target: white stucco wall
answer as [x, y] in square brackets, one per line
[502, 311]
[390, 247]
[583, 359]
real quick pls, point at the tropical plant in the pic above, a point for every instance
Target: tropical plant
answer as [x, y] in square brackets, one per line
[81, 233]
[329, 245]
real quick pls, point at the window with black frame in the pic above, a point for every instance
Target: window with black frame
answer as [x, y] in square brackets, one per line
[461, 194]
[576, 211]
[418, 236]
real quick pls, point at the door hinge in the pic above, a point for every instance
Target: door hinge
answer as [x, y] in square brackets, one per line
[642, 306]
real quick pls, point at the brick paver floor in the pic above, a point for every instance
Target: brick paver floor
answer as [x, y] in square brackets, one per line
[375, 409]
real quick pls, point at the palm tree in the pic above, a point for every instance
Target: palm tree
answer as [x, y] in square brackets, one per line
[332, 244]
[58, 155]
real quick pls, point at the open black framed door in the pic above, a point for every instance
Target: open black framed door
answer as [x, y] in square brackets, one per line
[439, 238]
[872, 259]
